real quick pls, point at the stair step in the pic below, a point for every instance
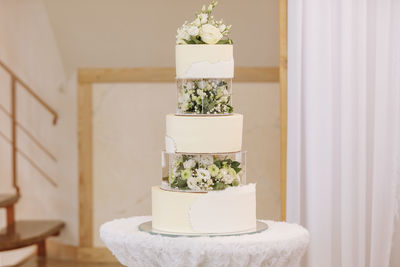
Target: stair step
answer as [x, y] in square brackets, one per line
[7, 200]
[26, 233]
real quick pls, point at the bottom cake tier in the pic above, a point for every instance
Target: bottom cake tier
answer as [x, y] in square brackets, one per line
[227, 211]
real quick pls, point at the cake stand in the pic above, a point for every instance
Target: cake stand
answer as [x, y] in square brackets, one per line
[282, 244]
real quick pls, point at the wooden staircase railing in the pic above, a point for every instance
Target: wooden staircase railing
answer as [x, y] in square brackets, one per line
[24, 233]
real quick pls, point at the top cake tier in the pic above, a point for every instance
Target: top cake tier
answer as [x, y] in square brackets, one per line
[204, 61]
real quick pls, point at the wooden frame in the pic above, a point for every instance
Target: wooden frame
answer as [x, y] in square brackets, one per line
[151, 75]
[88, 76]
[283, 47]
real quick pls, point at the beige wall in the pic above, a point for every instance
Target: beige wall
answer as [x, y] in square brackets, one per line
[115, 33]
[28, 46]
[129, 138]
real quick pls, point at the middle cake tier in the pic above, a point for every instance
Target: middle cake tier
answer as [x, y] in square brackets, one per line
[203, 134]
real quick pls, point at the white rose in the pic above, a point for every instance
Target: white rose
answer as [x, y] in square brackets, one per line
[222, 28]
[203, 174]
[182, 35]
[228, 179]
[192, 183]
[193, 31]
[203, 18]
[189, 164]
[210, 34]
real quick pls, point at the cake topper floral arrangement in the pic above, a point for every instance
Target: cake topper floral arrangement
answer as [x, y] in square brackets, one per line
[204, 29]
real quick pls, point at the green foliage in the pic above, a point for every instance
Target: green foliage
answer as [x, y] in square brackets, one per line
[219, 186]
[235, 165]
[179, 183]
[194, 40]
[225, 41]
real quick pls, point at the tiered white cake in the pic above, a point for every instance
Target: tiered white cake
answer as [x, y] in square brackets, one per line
[204, 169]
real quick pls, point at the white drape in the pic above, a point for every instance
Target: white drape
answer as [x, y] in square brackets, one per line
[344, 128]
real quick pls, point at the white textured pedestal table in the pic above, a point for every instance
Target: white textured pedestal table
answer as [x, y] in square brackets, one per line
[282, 244]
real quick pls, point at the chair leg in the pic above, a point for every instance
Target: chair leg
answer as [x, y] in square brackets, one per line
[41, 248]
[10, 215]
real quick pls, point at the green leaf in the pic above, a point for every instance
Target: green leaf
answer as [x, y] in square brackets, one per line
[228, 161]
[237, 170]
[181, 183]
[188, 41]
[196, 41]
[225, 41]
[219, 186]
[180, 167]
[235, 164]
[218, 163]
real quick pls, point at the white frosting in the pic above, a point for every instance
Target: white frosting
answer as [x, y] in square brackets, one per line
[170, 146]
[204, 134]
[204, 61]
[230, 210]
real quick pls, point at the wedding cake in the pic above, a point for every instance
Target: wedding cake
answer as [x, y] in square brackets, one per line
[204, 186]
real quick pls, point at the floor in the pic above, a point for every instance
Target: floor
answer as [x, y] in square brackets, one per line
[44, 262]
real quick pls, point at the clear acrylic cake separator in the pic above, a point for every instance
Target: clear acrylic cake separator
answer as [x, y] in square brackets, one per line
[209, 171]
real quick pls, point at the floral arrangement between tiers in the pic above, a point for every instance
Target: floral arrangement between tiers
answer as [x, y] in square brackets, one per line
[204, 29]
[204, 96]
[203, 172]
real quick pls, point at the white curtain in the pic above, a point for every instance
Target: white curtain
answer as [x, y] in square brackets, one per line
[344, 128]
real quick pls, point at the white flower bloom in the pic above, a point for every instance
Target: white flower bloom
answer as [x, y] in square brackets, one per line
[203, 8]
[222, 28]
[206, 160]
[197, 22]
[192, 183]
[185, 106]
[189, 85]
[182, 35]
[200, 92]
[203, 18]
[189, 164]
[223, 99]
[222, 172]
[210, 34]
[175, 172]
[193, 31]
[201, 84]
[203, 174]
[210, 8]
[228, 179]
[183, 98]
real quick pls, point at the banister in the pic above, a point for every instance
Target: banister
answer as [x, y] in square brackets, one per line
[34, 140]
[31, 92]
[33, 164]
